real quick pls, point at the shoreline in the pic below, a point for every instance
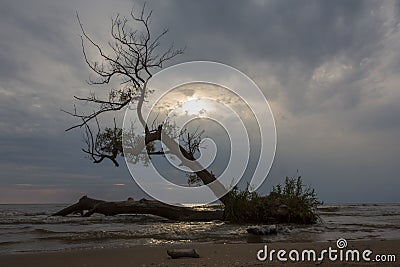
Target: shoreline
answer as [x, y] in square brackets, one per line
[241, 254]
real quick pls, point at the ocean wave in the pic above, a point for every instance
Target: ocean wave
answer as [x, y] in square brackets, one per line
[33, 228]
[328, 208]
[98, 219]
[10, 243]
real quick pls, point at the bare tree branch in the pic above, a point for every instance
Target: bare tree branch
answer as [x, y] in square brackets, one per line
[131, 58]
[135, 56]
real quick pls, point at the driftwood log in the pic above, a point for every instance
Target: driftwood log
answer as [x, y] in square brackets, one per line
[142, 206]
[182, 253]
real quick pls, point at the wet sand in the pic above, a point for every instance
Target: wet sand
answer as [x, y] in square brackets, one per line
[210, 255]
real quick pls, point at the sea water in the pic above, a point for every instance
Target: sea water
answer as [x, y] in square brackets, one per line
[30, 228]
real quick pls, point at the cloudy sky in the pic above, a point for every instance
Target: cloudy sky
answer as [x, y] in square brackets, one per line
[329, 69]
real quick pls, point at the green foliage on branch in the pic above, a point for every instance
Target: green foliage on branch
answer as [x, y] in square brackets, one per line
[110, 140]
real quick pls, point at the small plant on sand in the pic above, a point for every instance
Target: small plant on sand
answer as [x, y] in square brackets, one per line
[289, 203]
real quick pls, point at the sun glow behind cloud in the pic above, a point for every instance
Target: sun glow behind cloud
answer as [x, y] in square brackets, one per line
[196, 106]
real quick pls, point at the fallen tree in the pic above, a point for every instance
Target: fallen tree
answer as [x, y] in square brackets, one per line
[131, 58]
[142, 206]
[291, 202]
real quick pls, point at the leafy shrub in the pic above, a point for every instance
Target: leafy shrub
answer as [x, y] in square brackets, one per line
[290, 203]
[301, 201]
[243, 206]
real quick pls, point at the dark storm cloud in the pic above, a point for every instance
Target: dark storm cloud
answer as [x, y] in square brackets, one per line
[287, 40]
[30, 29]
[272, 30]
[329, 69]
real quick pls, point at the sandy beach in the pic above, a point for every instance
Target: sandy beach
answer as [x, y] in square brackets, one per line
[210, 255]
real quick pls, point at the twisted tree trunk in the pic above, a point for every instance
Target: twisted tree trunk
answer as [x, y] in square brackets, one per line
[184, 156]
[142, 206]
